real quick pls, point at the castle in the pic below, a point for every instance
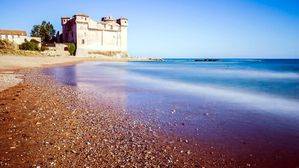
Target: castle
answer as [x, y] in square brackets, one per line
[91, 37]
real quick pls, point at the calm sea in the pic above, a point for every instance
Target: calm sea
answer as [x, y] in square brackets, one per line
[261, 84]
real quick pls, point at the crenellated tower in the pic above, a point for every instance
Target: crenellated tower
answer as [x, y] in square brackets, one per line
[123, 22]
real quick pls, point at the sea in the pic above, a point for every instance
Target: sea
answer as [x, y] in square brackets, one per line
[244, 106]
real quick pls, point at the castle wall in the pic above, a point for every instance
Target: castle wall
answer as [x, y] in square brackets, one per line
[124, 38]
[91, 36]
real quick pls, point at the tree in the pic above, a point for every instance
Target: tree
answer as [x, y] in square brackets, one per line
[29, 45]
[45, 31]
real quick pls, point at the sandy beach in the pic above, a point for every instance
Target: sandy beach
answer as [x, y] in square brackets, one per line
[46, 124]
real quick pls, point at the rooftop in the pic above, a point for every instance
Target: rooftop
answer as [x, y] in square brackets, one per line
[81, 14]
[13, 32]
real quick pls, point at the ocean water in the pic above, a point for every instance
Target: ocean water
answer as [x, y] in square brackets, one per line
[223, 103]
[265, 84]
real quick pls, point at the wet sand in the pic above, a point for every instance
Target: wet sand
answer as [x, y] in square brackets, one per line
[8, 79]
[47, 124]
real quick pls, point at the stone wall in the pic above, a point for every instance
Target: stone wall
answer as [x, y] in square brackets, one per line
[58, 50]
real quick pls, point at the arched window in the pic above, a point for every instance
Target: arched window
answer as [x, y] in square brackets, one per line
[83, 41]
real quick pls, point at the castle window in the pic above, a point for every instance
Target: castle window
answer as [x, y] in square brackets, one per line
[83, 41]
[111, 27]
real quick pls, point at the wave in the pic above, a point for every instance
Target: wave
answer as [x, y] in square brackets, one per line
[252, 73]
[267, 102]
[240, 73]
[251, 99]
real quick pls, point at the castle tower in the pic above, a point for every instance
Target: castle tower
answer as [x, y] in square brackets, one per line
[123, 22]
[64, 21]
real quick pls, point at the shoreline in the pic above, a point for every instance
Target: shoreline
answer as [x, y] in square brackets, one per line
[50, 124]
[11, 63]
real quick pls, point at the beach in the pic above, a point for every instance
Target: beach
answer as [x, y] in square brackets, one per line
[79, 113]
[46, 124]
[10, 63]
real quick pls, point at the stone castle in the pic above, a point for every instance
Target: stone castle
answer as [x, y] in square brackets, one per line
[91, 37]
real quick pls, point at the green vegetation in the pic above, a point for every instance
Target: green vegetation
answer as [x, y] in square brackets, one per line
[34, 41]
[5, 44]
[19, 52]
[45, 31]
[71, 48]
[9, 48]
[29, 45]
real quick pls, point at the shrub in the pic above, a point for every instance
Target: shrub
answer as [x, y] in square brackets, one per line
[28, 45]
[71, 48]
[5, 44]
[34, 41]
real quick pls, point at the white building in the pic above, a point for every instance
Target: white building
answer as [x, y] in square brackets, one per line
[107, 35]
[16, 36]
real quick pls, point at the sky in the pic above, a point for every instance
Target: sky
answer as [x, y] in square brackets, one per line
[179, 28]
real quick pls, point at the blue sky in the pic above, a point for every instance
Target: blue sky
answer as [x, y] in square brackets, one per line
[180, 28]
